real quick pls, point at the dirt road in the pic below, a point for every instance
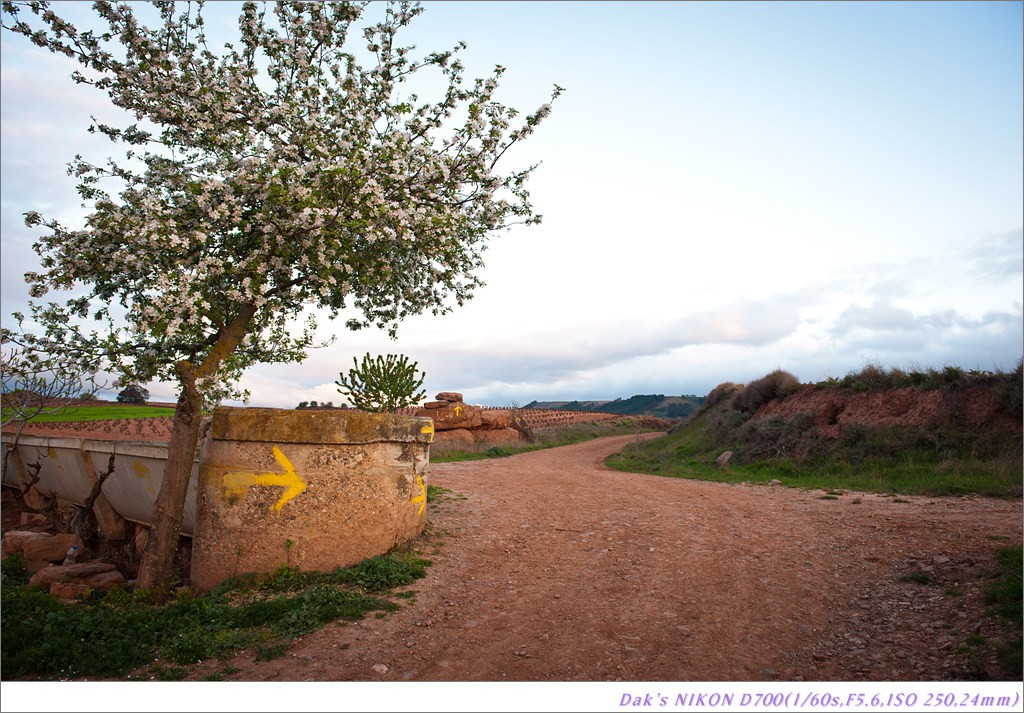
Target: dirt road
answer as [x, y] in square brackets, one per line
[555, 568]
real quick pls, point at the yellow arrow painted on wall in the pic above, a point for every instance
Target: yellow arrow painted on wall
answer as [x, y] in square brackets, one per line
[237, 483]
[429, 430]
[422, 497]
[458, 410]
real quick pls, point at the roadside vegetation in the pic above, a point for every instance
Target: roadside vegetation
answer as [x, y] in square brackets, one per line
[1005, 596]
[951, 460]
[121, 634]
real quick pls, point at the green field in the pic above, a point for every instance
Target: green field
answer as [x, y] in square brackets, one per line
[100, 413]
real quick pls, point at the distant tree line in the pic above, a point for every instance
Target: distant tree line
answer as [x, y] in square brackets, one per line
[639, 405]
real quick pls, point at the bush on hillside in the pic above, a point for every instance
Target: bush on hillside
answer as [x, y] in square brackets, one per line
[757, 393]
[1009, 390]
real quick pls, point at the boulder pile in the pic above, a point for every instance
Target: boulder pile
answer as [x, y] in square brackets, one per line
[459, 425]
[47, 559]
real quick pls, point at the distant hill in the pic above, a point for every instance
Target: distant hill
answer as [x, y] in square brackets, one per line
[642, 404]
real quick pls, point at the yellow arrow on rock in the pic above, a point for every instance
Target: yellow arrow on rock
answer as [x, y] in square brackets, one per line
[238, 482]
[458, 410]
[422, 497]
[429, 430]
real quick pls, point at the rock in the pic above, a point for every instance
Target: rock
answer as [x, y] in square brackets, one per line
[95, 575]
[457, 415]
[379, 669]
[494, 420]
[457, 439]
[51, 549]
[33, 566]
[68, 590]
[499, 437]
[436, 404]
[939, 559]
[722, 460]
[14, 541]
[770, 672]
[452, 396]
[34, 519]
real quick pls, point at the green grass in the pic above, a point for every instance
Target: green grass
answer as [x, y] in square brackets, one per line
[1006, 595]
[885, 460]
[100, 413]
[111, 634]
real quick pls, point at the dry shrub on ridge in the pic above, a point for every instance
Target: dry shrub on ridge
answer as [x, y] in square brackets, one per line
[771, 386]
[720, 393]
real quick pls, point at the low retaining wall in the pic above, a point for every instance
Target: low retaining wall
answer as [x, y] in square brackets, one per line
[271, 487]
[317, 490]
[69, 467]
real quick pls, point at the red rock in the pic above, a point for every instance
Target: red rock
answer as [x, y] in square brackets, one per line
[454, 440]
[452, 417]
[14, 541]
[52, 549]
[90, 573]
[68, 590]
[34, 519]
[452, 396]
[33, 566]
[497, 437]
[436, 404]
[492, 420]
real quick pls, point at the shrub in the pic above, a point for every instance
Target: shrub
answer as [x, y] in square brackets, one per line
[386, 383]
[1009, 390]
[757, 393]
[133, 394]
[720, 393]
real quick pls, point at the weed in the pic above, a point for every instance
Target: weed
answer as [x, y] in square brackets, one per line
[917, 578]
[271, 651]
[172, 673]
[1007, 594]
[14, 570]
[379, 573]
[109, 634]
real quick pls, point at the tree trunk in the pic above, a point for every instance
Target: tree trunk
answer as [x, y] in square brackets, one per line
[157, 564]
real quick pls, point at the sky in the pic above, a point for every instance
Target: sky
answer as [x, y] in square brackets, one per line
[727, 189]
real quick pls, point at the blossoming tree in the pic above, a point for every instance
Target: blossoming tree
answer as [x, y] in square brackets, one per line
[278, 174]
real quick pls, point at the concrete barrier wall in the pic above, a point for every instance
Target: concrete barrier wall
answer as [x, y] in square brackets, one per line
[270, 487]
[311, 489]
[68, 467]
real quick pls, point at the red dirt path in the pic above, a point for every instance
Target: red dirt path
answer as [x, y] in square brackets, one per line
[555, 568]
